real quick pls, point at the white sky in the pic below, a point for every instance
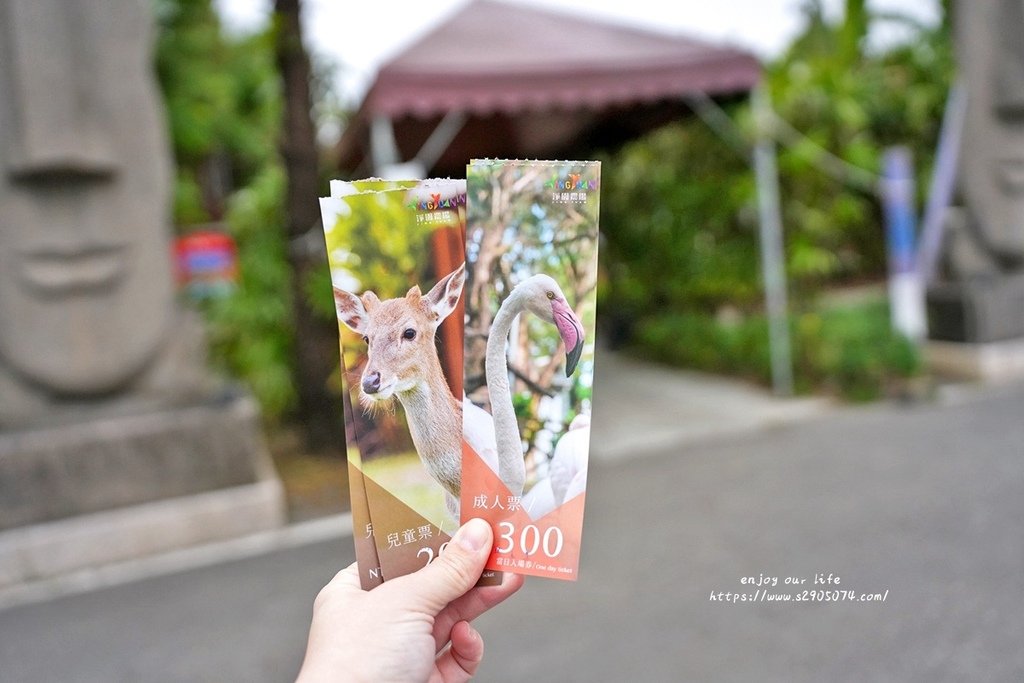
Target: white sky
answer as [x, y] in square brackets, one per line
[359, 36]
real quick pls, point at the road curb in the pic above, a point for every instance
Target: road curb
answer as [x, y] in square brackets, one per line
[88, 580]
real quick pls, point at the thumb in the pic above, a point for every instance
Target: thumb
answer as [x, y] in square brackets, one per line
[453, 573]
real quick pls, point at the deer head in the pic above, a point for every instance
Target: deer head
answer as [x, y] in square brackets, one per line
[399, 334]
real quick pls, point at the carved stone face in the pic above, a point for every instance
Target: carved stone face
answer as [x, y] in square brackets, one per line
[85, 285]
[991, 55]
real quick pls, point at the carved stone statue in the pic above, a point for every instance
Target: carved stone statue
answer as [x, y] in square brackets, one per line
[114, 442]
[86, 300]
[982, 297]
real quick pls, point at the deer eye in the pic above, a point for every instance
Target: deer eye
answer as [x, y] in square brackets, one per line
[409, 334]
[551, 295]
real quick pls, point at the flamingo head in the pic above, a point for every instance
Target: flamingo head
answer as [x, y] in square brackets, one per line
[544, 298]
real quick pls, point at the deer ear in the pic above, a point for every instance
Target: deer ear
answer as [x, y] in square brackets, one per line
[444, 296]
[351, 310]
[370, 301]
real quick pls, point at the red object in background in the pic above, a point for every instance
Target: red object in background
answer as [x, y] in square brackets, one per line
[206, 264]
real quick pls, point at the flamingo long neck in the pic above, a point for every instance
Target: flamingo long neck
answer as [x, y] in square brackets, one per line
[511, 468]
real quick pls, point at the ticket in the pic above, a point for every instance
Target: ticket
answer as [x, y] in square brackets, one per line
[397, 252]
[531, 246]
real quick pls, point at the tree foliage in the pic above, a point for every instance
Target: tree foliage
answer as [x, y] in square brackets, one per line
[680, 213]
[314, 337]
[852, 103]
[223, 99]
[378, 244]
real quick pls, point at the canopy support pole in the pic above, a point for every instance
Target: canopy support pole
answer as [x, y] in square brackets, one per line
[383, 149]
[773, 262]
[440, 139]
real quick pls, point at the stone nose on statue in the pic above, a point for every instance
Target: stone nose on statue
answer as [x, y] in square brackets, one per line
[60, 133]
[371, 382]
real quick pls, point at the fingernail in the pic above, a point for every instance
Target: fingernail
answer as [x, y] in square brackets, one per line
[472, 535]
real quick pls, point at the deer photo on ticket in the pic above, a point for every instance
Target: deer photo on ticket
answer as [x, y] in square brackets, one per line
[532, 237]
[398, 272]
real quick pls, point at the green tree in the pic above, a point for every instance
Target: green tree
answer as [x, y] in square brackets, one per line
[223, 105]
[244, 143]
[315, 337]
[223, 98]
[680, 216]
[852, 103]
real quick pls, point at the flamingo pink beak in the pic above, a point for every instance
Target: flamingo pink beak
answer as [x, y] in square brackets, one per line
[571, 330]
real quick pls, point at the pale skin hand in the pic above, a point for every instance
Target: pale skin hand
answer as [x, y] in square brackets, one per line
[413, 628]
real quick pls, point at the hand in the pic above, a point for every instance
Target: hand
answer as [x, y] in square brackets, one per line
[412, 628]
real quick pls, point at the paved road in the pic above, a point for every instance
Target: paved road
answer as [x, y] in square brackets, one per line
[925, 502]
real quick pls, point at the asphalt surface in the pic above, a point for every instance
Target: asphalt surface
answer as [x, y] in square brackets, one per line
[924, 502]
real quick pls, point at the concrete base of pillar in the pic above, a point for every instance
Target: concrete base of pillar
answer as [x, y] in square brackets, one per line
[51, 549]
[989, 362]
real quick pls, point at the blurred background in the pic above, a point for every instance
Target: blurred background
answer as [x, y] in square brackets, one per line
[810, 324]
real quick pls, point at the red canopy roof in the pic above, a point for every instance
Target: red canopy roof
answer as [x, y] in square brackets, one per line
[493, 56]
[511, 68]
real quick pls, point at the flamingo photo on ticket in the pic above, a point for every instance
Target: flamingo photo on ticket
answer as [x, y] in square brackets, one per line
[530, 296]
